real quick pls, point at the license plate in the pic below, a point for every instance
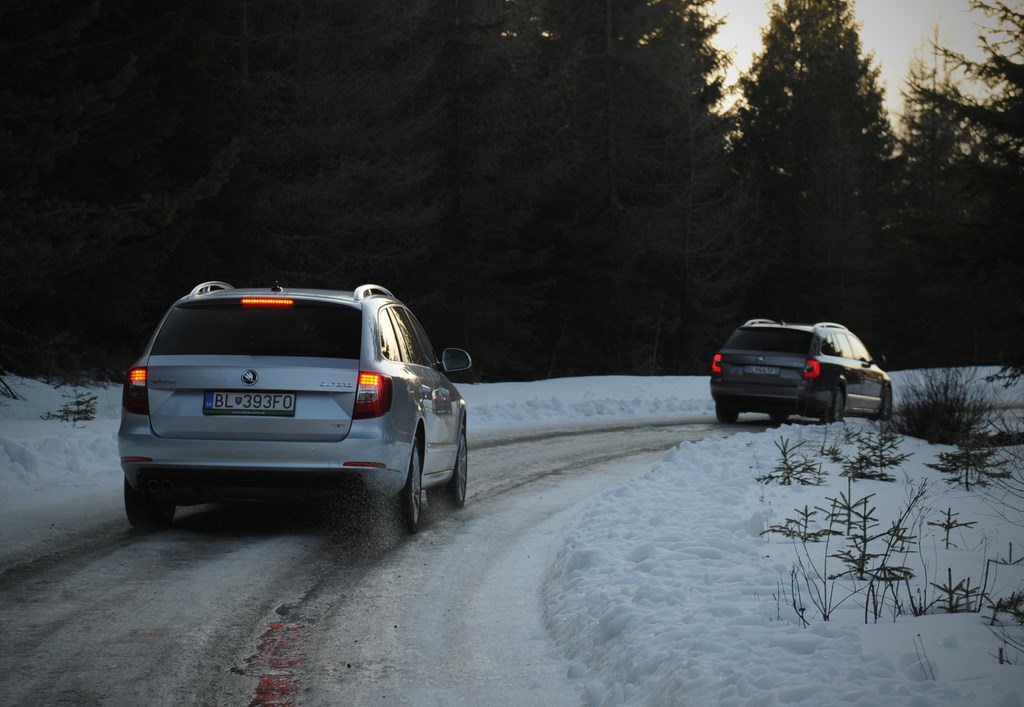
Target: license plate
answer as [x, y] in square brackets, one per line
[226, 402]
[760, 370]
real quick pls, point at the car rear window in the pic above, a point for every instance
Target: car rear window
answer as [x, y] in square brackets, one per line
[782, 340]
[229, 329]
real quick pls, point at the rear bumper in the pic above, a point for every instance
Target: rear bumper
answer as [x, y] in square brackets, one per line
[187, 472]
[799, 400]
[191, 486]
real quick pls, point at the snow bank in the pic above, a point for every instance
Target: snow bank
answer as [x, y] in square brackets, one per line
[563, 401]
[666, 592]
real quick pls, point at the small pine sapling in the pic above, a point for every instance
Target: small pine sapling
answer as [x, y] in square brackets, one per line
[801, 469]
[950, 521]
[857, 556]
[973, 463]
[960, 597]
[876, 454]
[1012, 605]
[799, 528]
[886, 575]
[831, 449]
[81, 407]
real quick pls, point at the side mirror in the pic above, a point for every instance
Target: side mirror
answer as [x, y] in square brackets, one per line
[453, 360]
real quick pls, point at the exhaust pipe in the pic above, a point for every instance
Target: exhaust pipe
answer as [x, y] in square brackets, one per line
[157, 486]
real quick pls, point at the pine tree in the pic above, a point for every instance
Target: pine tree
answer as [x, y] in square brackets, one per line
[816, 141]
[494, 172]
[961, 195]
[332, 135]
[932, 217]
[406, 144]
[681, 204]
[644, 203]
[111, 139]
[992, 173]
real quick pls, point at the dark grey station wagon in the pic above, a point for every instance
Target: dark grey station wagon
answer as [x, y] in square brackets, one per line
[812, 370]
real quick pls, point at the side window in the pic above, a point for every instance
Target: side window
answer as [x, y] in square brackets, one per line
[402, 338]
[389, 347]
[411, 333]
[406, 343]
[860, 351]
[426, 350]
[409, 345]
[843, 344]
[829, 346]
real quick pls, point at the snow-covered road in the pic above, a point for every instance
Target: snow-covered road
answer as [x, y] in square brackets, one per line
[262, 604]
[603, 559]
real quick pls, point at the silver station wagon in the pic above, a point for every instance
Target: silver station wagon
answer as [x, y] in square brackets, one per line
[270, 393]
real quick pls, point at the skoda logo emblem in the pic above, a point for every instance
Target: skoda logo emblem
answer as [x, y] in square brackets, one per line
[250, 377]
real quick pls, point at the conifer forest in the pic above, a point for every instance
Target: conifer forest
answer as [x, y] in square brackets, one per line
[560, 187]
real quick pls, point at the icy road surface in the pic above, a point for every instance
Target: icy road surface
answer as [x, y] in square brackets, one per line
[280, 605]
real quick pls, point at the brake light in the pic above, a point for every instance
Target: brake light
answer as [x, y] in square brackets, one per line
[716, 363]
[373, 396]
[812, 369]
[267, 302]
[135, 394]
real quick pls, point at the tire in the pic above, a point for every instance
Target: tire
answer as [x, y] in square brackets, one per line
[455, 489]
[726, 414]
[837, 407]
[779, 417]
[410, 499]
[884, 407]
[144, 511]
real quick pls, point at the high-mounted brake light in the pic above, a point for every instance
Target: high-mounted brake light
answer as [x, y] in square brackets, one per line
[373, 396]
[135, 393]
[267, 302]
[812, 369]
[716, 363]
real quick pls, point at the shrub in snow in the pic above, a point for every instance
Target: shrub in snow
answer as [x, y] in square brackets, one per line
[941, 405]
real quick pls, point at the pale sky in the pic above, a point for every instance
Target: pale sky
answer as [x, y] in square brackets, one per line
[894, 30]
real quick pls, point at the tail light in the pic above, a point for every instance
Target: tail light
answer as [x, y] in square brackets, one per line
[373, 396]
[812, 369]
[135, 394]
[716, 363]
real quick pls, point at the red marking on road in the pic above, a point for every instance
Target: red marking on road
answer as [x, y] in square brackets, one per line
[278, 655]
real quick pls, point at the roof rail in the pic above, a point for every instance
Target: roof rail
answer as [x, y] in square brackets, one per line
[830, 325]
[752, 322]
[364, 291]
[205, 288]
